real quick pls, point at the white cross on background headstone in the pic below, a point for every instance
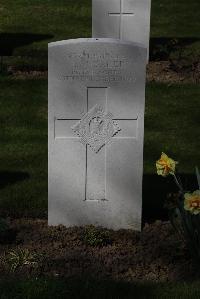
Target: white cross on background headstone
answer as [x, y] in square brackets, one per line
[128, 20]
[95, 185]
[121, 15]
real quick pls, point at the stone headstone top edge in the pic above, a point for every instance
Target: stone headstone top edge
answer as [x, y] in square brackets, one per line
[95, 40]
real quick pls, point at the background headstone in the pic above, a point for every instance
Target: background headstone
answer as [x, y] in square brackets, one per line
[128, 20]
[96, 126]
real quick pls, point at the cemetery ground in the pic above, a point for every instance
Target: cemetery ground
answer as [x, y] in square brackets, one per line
[27, 26]
[87, 262]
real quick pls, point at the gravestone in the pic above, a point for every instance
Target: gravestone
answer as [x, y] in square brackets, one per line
[128, 20]
[96, 126]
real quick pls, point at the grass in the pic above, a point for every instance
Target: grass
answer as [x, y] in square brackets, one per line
[48, 20]
[23, 107]
[178, 18]
[41, 288]
[171, 125]
[58, 18]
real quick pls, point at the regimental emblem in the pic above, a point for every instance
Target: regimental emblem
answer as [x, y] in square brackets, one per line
[96, 128]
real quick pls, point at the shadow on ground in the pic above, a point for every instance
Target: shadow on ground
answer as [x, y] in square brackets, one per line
[77, 288]
[10, 41]
[162, 47]
[155, 191]
[90, 288]
[12, 177]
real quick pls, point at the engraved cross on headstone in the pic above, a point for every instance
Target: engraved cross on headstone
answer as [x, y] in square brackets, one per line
[97, 119]
[121, 14]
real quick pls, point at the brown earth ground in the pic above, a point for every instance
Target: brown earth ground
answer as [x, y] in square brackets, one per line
[161, 71]
[155, 254]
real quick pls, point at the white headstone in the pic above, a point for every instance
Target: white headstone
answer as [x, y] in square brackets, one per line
[128, 20]
[96, 125]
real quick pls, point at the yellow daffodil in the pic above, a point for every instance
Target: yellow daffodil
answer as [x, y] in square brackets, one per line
[192, 202]
[165, 165]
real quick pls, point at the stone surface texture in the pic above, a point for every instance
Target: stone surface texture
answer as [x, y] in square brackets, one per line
[128, 20]
[96, 127]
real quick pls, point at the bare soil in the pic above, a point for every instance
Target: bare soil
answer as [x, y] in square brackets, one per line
[155, 254]
[161, 71]
[164, 71]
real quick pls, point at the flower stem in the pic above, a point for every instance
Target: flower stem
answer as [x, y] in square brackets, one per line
[198, 176]
[177, 183]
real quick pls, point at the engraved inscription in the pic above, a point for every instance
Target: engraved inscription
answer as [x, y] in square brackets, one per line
[94, 67]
